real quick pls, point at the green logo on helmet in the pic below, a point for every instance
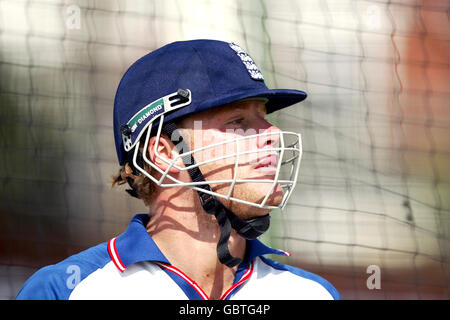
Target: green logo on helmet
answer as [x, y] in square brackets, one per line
[146, 112]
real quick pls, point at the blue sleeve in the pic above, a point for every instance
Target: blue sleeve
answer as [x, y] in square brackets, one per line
[56, 282]
[48, 283]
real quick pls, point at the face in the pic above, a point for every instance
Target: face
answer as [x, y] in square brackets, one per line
[239, 120]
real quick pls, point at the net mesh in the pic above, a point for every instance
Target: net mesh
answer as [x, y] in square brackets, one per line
[375, 175]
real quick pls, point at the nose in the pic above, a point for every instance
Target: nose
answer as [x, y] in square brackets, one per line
[270, 138]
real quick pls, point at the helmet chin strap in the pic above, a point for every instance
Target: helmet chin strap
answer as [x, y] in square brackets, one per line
[227, 220]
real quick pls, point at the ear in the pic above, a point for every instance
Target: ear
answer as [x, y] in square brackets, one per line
[164, 149]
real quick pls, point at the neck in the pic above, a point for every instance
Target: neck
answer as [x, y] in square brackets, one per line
[188, 238]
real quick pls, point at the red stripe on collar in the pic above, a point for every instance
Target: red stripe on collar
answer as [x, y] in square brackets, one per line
[112, 250]
[185, 278]
[247, 274]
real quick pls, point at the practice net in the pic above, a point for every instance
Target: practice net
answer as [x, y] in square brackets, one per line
[374, 180]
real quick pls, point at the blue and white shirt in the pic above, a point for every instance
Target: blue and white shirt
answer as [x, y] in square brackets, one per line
[131, 266]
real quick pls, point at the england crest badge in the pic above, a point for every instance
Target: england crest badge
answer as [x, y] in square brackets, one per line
[252, 69]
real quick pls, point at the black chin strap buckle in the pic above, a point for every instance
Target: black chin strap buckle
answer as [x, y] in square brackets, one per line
[208, 202]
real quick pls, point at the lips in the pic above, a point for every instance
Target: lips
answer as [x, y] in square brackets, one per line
[269, 162]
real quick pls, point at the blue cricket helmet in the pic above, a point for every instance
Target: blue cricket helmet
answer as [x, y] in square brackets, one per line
[214, 73]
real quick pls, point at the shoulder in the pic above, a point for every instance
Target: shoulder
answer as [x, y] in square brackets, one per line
[282, 281]
[56, 282]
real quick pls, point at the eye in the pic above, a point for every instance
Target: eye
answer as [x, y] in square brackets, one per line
[237, 121]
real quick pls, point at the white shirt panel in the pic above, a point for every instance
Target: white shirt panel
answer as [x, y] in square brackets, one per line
[269, 283]
[140, 281]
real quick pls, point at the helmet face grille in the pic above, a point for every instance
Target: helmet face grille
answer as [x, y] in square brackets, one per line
[273, 168]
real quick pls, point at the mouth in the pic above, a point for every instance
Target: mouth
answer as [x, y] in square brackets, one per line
[268, 164]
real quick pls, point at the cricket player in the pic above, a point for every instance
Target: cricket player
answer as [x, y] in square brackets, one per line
[194, 144]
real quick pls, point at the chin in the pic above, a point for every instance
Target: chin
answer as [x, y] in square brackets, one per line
[257, 195]
[273, 201]
[275, 197]
[252, 192]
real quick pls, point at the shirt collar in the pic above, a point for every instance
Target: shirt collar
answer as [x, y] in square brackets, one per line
[136, 245]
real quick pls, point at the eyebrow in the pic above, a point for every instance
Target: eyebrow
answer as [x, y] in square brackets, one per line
[241, 107]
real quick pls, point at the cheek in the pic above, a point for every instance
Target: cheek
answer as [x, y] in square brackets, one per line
[217, 164]
[219, 153]
[213, 149]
